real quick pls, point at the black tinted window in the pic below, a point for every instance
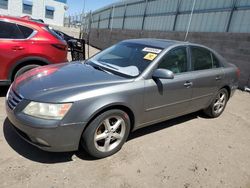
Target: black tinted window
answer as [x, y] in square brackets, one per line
[9, 31]
[25, 31]
[201, 58]
[216, 62]
[54, 33]
[175, 60]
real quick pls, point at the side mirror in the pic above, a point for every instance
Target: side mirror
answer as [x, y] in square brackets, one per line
[163, 74]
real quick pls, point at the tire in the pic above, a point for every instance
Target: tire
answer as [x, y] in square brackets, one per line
[104, 136]
[25, 69]
[218, 104]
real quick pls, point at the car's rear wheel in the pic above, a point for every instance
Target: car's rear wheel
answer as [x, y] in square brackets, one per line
[25, 69]
[218, 104]
[106, 134]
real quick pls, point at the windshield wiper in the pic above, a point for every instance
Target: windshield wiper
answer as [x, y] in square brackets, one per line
[108, 65]
[98, 67]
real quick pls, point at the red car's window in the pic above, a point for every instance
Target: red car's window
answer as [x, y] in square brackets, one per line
[25, 31]
[10, 31]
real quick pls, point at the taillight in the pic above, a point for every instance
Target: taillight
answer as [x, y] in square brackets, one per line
[60, 46]
[238, 73]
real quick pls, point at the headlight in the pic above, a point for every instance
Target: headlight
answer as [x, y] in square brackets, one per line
[46, 110]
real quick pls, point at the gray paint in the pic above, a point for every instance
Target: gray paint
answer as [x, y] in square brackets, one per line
[91, 91]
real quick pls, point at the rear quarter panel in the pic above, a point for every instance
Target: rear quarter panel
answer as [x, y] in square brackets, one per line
[231, 79]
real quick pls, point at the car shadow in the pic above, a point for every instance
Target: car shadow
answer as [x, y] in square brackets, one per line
[163, 125]
[35, 154]
[3, 90]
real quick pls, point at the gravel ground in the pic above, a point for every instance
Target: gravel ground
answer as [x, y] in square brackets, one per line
[190, 151]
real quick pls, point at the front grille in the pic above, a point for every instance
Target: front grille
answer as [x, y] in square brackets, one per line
[14, 99]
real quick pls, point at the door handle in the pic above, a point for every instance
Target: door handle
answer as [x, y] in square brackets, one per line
[218, 78]
[188, 84]
[17, 48]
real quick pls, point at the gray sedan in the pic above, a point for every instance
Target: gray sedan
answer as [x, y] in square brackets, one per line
[135, 83]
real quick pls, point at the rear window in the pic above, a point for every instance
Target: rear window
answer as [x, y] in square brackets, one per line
[201, 58]
[51, 31]
[216, 63]
[26, 31]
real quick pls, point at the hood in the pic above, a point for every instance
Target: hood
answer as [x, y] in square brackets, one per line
[54, 83]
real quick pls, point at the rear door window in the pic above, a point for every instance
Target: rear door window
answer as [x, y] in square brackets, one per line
[201, 58]
[10, 31]
[26, 31]
[216, 63]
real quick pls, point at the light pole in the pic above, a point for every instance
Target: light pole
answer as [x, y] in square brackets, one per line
[190, 20]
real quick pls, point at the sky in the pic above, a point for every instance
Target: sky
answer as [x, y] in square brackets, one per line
[76, 6]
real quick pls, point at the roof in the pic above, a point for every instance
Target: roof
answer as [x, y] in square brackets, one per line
[161, 43]
[24, 20]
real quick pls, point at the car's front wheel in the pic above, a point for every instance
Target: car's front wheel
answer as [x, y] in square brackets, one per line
[106, 134]
[218, 104]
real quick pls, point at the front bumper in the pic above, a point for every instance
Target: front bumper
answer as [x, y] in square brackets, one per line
[48, 135]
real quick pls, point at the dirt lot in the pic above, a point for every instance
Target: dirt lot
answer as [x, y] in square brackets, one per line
[191, 151]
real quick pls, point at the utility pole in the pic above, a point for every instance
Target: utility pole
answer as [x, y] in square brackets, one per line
[82, 18]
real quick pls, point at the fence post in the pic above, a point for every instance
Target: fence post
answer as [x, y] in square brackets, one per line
[124, 16]
[144, 14]
[177, 13]
[231, 15]
[110, 13]
[111, 17]
[98, 25]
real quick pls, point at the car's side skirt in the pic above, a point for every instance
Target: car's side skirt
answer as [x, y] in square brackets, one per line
[5, 82]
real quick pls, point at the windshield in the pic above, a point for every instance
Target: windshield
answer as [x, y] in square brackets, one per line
[126, 59]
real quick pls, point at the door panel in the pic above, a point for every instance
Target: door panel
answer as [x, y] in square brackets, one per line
[207, 77]
[10, 52]
[166, 98]
[12, 46]
[205, 86]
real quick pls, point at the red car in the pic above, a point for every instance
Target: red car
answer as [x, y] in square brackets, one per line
[26, 44]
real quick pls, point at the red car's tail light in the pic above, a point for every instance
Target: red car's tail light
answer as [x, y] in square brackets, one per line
[60, 46]
[38, 72]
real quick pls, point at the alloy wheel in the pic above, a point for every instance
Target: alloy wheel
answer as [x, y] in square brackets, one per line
[219, 103]
[109, 133]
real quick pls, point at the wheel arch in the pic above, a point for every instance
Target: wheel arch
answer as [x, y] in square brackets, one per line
[26, 61]
[111, 107]
[228, 90]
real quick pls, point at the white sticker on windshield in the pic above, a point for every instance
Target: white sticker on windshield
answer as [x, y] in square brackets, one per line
[152, 50]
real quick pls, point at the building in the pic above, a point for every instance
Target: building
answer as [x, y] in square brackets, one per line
[50, 11]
